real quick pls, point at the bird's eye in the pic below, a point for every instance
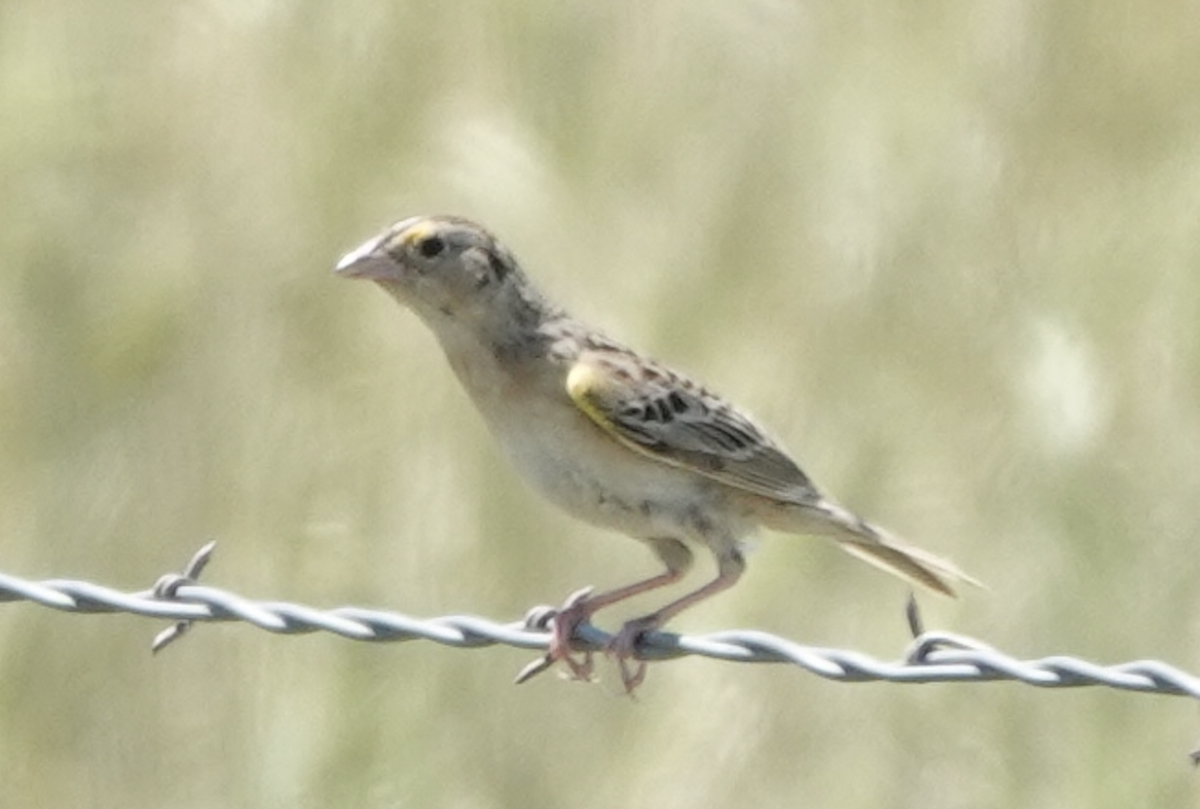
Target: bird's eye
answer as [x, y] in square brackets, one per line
[431, 246]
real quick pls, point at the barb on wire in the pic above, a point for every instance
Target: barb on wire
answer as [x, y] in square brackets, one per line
[931, 657]
[168, 586]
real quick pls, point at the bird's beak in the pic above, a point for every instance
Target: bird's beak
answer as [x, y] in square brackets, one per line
[368, 260]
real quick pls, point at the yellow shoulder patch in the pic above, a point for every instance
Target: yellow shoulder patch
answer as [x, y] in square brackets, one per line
[583, 382]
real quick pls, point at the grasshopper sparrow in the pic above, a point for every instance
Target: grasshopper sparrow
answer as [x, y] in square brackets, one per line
[614, 438]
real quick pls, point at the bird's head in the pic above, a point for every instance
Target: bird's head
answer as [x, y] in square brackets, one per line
[442, 267]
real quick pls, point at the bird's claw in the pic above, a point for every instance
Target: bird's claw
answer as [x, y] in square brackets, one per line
[623, 647]
[562, 624]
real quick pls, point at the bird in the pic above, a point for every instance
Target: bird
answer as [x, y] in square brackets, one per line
[614, 438]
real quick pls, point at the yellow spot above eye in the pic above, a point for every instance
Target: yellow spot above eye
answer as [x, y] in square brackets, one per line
[416, 232]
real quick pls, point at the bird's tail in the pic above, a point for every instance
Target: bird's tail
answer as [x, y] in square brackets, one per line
[887, 551]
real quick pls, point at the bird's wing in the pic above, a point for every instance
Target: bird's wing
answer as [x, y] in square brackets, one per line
[669, 418]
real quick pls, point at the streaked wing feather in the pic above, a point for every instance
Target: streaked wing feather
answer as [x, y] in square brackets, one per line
[673, 420]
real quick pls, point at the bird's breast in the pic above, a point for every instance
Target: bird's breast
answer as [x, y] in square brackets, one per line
[572, 462]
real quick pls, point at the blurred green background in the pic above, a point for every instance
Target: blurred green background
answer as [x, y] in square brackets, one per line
[948, 251]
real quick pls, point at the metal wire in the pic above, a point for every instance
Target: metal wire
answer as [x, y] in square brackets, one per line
[931, 657]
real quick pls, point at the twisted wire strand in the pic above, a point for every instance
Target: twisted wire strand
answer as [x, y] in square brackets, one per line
[931, 657]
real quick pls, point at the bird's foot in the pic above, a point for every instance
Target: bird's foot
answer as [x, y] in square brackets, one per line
[575, 610]
[562, 623]
[623, 647]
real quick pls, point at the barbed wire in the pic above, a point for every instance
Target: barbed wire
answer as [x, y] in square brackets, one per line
[930, 657]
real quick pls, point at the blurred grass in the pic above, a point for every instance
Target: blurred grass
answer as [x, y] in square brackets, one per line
[947, 251]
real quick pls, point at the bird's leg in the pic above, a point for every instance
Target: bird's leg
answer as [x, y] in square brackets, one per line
[582, 605]
[623, 646]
